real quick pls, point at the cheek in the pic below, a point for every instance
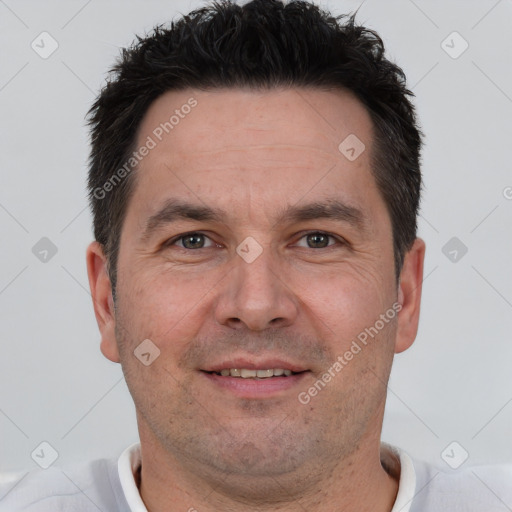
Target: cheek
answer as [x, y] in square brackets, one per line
[168, 308]
[345, 302]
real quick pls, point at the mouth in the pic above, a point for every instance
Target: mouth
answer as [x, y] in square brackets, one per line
[249, 373]
[246, 379]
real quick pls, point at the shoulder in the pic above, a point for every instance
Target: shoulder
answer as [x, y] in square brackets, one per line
[468, 489]
[82, 487]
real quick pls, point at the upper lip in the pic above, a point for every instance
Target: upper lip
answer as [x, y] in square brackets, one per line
[254, 364]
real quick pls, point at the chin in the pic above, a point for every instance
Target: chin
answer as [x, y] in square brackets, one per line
[258, 452]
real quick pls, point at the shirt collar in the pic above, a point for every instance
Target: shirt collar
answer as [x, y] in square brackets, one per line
[128, 465]
[407, 480]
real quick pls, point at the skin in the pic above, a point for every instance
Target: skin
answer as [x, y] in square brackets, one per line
[253, 153]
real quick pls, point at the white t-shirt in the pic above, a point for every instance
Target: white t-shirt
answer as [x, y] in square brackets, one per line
[108, 485]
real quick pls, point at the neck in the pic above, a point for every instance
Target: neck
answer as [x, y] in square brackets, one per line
[165, 484]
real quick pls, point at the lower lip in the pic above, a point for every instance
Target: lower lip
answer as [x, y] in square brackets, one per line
[255, 388]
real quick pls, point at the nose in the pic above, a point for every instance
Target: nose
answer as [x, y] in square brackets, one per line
[256, 296]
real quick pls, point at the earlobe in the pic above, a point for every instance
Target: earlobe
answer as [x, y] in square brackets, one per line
[409, 296]
[101, 292]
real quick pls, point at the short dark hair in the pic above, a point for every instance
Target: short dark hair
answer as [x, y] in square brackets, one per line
[261, 44]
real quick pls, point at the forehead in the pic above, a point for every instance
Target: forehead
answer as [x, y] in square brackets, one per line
[201, 121]
[249, 149]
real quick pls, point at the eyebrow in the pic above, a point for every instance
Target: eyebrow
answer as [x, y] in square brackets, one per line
[174, 210]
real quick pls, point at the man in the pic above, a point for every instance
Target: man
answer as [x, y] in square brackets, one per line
[255, 182]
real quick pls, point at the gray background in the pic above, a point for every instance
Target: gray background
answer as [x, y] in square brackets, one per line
[454, 383]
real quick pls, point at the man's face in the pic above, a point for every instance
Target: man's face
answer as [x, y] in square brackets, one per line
[254, 288]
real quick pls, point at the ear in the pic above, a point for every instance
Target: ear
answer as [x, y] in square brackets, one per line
[409, 296]
[101, 291]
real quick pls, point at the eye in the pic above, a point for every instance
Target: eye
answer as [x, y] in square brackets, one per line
[196, 240]
[318, 239]
[190, 241]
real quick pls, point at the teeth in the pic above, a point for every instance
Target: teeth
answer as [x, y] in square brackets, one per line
[245, 373]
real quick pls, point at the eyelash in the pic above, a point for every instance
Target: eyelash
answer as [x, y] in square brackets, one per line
[172, 241]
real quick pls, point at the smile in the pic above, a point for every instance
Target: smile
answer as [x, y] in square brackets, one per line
[246, 373]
